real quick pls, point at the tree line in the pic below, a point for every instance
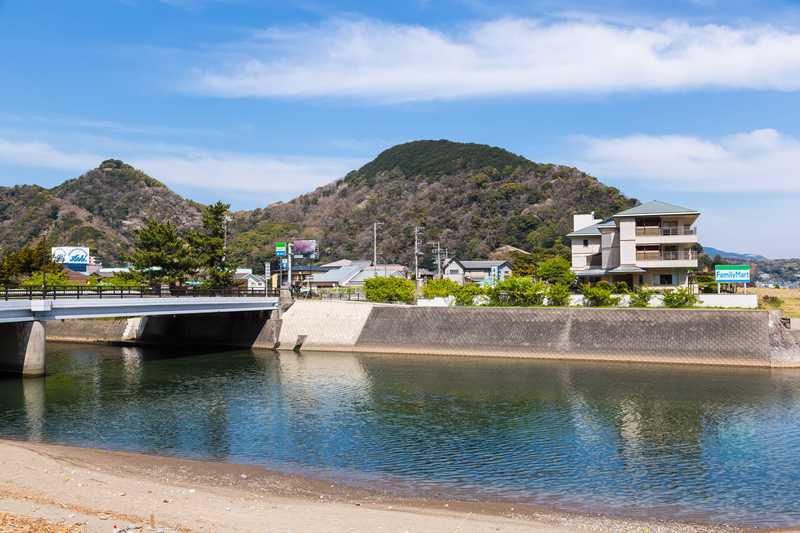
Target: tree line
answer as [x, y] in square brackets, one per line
[162, 254]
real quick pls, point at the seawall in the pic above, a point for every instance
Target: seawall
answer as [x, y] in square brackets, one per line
[751, 338]
[720, 337]
[243, 329]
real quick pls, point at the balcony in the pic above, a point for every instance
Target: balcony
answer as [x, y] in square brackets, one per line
[666, 258]
[666, 234]
[645, 231]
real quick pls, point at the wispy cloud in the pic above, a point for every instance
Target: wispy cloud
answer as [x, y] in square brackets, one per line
[756, 161]
[272, 175]
[275, 176]
[392, 62]
[44, 155]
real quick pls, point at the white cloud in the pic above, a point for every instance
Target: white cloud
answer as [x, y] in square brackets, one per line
[759, 161]
[44, 155]
[392, 62]
[235, 173]
[274, 175]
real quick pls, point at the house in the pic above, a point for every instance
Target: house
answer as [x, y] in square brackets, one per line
[337, 277]
[476, 271]
[389, 271]
[653, 244]
[252, 281]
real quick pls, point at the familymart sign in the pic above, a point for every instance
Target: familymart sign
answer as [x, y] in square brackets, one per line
[732, 273]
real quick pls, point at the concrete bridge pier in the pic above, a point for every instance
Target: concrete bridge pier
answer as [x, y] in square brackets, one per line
[22, 348]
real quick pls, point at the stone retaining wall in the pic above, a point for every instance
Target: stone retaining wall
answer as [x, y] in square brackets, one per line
[726, 337]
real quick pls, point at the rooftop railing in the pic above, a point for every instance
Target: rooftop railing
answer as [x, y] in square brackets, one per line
[671, 255]
[646, 231]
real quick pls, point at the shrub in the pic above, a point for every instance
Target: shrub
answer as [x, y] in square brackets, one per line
[682, 297]
[390, 290]
[466, 295]
[599, 296]
[558, 295]
[773, 302]
[621, 287]
[440, 288]
[606, 286]
[54, 279]
[556, 270]
[641, 298]
[518, 291]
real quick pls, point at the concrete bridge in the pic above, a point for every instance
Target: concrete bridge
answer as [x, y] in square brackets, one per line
[218, 320]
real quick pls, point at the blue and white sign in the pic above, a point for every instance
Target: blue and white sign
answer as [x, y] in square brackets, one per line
[732, 273]
[285, 264]
[73, 257]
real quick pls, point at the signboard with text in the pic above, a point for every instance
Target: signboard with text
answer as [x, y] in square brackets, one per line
[305, 249]
[280, 249]
[73, 257]
[732, 273]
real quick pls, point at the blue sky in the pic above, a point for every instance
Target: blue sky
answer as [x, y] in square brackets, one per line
[696, 102]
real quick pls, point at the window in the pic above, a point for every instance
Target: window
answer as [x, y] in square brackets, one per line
[585, 243]
[641, 279]
[665, 279]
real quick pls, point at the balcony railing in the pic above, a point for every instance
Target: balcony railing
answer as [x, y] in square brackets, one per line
[672, 255]
[643, 231]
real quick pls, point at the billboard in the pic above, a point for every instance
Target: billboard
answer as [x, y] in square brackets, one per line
[305, 249]
[73, 257]
[732, 273]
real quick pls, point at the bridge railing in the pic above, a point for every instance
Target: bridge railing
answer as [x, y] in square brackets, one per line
[81, 291]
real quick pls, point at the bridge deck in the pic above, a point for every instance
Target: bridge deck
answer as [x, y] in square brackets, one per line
[29, 310]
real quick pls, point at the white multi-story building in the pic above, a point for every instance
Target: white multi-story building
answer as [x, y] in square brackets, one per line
[653, 244]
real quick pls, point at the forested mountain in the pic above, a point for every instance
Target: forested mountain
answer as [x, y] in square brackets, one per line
[473, 198]
[100, 209]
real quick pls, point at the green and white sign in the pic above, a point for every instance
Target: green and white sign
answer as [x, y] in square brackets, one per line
[280, 249]
[732, 273]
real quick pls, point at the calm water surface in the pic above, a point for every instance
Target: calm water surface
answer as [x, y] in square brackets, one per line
[720, 445]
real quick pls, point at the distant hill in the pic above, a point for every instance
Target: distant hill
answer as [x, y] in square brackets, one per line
[714, 252]
[471, 197]
[100, 209]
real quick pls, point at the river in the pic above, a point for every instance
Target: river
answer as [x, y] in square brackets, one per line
[711, 444]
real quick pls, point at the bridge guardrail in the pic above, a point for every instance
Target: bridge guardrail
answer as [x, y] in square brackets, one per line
[79, 291]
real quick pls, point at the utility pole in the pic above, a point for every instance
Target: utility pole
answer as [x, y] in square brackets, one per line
[375, 243]
[225, 221]
[438, 252]
[417, 232]
[289, 253]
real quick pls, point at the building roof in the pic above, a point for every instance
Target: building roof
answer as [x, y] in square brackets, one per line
[593, 272]
[656, 208]
[479, 265]
[364, 275]
[346, 263]
[588, 231]
[338, 275]
[626, 269]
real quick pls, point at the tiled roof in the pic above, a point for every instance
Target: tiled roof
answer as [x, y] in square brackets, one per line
[656, 208]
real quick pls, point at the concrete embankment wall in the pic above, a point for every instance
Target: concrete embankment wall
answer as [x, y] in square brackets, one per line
[253, 329]
[323, 325]
[90, 330]
[645, 335]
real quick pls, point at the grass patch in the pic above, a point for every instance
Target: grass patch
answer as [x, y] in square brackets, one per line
[790, 299]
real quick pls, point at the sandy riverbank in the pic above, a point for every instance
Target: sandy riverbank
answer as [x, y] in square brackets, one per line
[76, 489]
